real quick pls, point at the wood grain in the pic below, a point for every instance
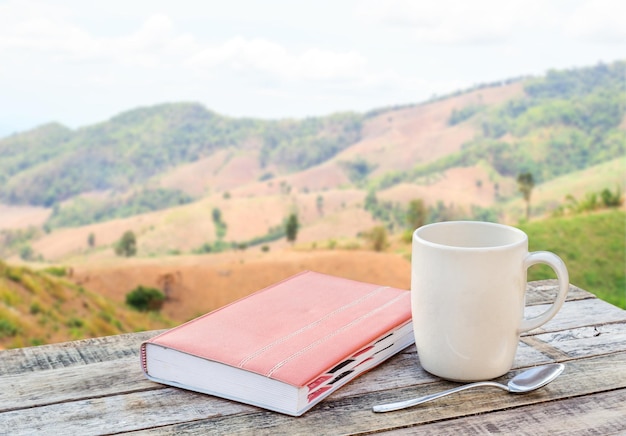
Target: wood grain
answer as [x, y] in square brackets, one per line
[72, 354]
[353, 415]
[96, 386]
[605, 411]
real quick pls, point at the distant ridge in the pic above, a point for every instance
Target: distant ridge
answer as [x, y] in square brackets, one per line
[461, 154]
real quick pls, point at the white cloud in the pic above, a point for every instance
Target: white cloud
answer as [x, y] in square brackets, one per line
[52, 35]
[459, 22]
[598, 21]
[262, 56]
[324, 64]
[157, 43]
[431, 22]
[80, 62]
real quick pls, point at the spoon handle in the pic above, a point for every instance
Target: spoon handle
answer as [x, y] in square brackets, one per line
[415, 401]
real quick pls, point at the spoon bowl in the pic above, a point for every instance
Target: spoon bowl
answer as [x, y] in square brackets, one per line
[534, 378]
[529, 380]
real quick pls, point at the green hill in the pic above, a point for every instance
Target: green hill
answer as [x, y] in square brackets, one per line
[564, 122]
[566, 128]
[51, 164]
[549, 196]
[39, 307]
[593, 246]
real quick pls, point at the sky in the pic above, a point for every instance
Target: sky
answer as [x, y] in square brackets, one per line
[82, 62]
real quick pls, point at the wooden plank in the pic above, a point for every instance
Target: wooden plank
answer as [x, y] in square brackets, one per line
[125, 376]
[353, 415]
[96, 385]
[175, 411]
[604, 413]
[578, 313]
[544, 292]
[587, 341]
[72, 384]
[71, 354]
[405, 370]
[118, 413]
[563, 345]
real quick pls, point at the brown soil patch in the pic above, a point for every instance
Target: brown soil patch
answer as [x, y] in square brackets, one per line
[64, 242]
[326, 176]
[192, 178]
[401, 139]
[203, 283]
[459, 186]
[323, 177]
[187, 227]
[222, 171]
[240, 168]
[21, 217]
[345, 224]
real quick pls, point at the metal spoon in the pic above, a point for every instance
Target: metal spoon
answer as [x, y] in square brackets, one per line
[527, 381]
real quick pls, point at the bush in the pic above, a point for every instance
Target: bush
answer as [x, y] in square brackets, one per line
[57, 271]
[35, 308]
[27, 253]
[75, 323]
[377, 237]
[127, 245]
[7, 328]
[460, 115]
[144, 298]
[611, 199]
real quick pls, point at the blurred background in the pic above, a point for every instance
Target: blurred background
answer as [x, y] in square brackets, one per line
[159, 159]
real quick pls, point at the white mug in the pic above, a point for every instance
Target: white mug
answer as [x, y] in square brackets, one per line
[468, 284]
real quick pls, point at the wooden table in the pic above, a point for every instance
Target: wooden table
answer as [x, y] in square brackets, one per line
[95, 386]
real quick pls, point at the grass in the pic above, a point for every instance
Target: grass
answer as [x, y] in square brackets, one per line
[38, 308]
[547, 196]
[593, 246]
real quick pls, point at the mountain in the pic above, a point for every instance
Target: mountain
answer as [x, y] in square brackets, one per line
[166, 171]
[51, 164]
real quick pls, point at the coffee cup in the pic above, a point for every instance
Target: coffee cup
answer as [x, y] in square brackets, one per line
[468, 284]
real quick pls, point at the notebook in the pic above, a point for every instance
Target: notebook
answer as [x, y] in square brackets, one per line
[286, 347]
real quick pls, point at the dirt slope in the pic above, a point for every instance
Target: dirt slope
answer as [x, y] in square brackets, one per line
[198, 284]
[401, 139]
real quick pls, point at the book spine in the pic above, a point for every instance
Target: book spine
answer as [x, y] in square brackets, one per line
[143, 358]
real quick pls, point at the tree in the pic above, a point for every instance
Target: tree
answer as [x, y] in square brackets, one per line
[216, 215]
[416, 214]
[291, 227]
[377, 236]
[27, 252]
[370, 200]
[127, 245]
[319, 202]
[144, 298]
[612, 200]
[220, 226]
[525, 184]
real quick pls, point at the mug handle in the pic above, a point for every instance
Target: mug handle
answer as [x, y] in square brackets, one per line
[554, 262]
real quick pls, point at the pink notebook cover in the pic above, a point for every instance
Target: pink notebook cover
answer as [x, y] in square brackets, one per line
[295, 329]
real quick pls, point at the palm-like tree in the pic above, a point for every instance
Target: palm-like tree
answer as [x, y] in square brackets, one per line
[525, 184]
